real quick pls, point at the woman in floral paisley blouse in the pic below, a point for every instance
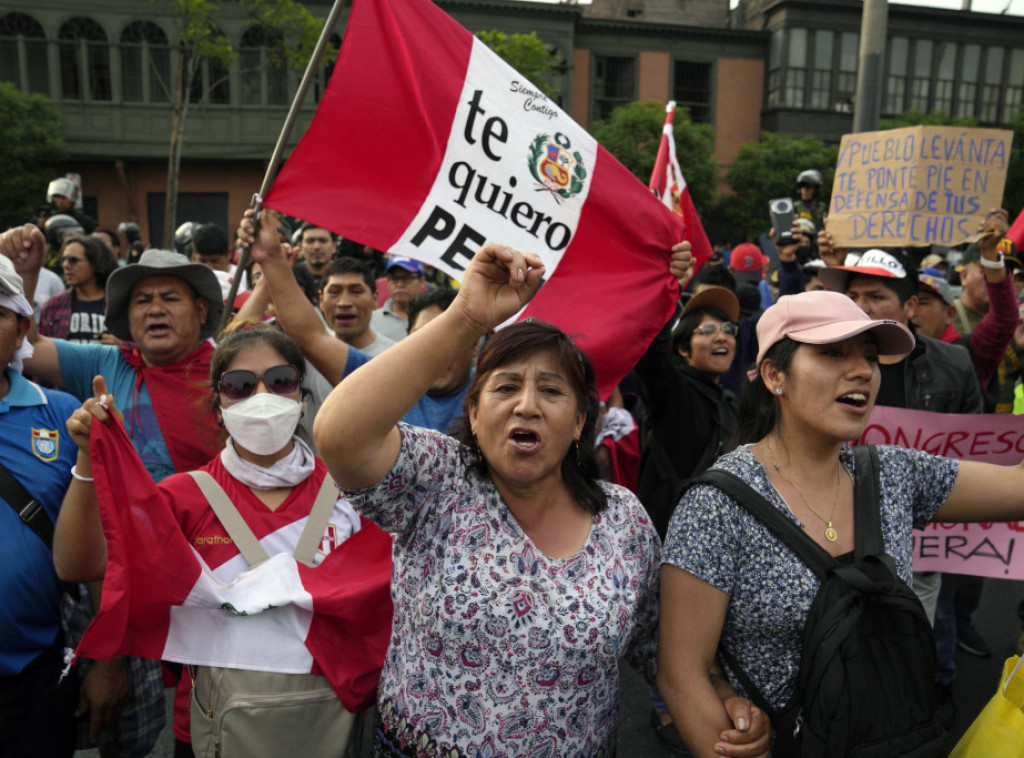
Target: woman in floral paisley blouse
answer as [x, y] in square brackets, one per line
[519, 579]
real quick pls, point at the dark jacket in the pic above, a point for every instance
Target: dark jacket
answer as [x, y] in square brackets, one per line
[688, 422]
[940, 377]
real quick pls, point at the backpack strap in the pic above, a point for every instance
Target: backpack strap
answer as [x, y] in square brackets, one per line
[866, 513]
[806, 549]
[230, 518]
[30, 511]
[316, 523]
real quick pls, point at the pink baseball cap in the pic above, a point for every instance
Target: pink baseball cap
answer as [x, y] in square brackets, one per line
[818, 318]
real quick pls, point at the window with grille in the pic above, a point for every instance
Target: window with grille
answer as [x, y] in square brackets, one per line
[967, 88]
[210, 83]
[1012, 100]
[821, 75]
[23, 58]
[896, 80]
[846, 79]
[921, 80]
[796, 69]
[264, 74]
[990, 88]
[944, 76]
[774, 96]
[84, 60]
[614, 84]
[145, 63]
[693, 89]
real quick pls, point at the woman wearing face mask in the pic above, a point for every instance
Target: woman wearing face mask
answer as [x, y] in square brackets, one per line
[277, 486]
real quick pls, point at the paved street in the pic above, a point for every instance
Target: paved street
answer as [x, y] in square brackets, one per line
[976, 680]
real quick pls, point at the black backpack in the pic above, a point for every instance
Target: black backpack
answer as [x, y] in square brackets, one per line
[866, 687]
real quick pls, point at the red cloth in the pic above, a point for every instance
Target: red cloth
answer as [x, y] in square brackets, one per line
[152, 567]
[668, 183]
[992, 335]
[182, 400]
[361, 171]
[625, 458]
[1016, 232]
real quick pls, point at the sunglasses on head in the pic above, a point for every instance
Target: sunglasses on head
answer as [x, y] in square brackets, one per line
[240, 384]
[710, 328]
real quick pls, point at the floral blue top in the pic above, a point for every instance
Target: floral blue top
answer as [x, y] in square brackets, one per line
[771, 590]
[496, 649]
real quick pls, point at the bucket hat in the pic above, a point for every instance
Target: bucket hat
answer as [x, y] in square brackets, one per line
[161, 263]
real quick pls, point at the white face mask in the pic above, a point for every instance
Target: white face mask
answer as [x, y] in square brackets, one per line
[264, 423]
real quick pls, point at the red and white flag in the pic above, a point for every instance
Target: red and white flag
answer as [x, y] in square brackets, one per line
[426, 144]
[669, 186]
[162, 601]
[1016, 234]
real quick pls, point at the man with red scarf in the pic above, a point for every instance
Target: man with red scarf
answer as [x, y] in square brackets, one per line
[165, 308]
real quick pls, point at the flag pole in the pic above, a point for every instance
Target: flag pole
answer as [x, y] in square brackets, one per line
[282, 141]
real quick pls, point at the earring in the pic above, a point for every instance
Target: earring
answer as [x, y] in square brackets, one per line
[778, 390]
[579, 460]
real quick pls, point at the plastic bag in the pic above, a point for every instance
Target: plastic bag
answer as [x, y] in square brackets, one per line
[998, 732]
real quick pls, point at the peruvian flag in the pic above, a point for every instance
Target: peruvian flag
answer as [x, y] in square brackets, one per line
[1016, 234]
[162, 601]
[668, 184]
[426, 145]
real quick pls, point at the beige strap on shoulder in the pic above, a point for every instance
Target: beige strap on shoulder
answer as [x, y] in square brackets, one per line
[230, 518]
[320, 514]
[965, 322]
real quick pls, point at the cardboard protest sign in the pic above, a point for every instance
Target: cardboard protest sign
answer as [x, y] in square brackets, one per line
[984, 549]
[920, 185]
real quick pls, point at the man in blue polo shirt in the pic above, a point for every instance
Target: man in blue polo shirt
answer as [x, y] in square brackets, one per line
[36, 712]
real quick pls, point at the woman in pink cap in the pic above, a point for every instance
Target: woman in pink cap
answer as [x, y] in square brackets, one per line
[733, 591]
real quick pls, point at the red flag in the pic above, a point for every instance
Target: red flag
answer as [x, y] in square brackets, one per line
[1016, 232]
[162, 601]
[426, 144]
[668, 184]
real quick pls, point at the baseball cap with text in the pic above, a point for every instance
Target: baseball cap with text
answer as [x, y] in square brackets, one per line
[874, 262]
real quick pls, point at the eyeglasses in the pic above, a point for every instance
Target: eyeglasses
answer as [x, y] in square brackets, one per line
[240, 384]
[70, 259]
[407, 279]
[710, 329]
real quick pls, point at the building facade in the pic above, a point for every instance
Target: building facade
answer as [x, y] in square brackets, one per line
[782, 65]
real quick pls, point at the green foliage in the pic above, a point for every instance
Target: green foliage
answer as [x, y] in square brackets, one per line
[527, 54]
[768, 169]
[298, 27]
[31, 144]
[920, 118]
[633, 134]
[200, 35]
[1013, 195]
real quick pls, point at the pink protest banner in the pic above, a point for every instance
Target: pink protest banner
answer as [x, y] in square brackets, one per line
[979, 549]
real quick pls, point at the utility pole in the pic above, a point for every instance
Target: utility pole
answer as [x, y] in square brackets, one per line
[868, 101]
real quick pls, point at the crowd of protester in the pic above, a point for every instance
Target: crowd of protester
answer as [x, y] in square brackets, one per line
[532, 526]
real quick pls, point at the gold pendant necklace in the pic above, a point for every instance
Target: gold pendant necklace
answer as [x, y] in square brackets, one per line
[830, 531]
